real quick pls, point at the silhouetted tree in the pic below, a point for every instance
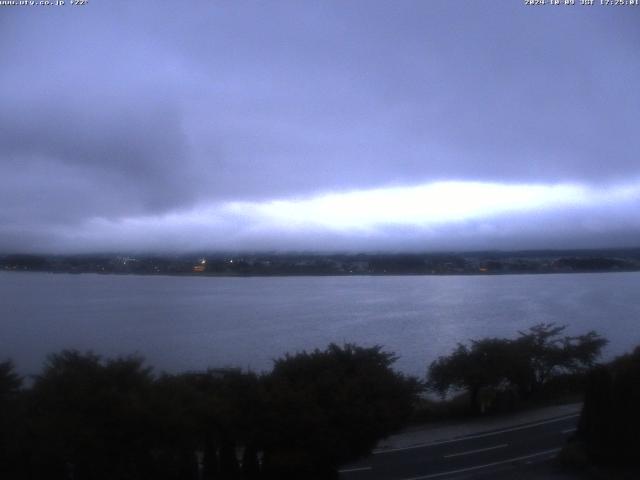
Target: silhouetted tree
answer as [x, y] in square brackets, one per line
[332, 406]
[542, 352]
[610, 420]
[177, 409]
[12, 432]
[211, 424]
[89, 418]
[526, 363]
[485, 363]
[10, 381]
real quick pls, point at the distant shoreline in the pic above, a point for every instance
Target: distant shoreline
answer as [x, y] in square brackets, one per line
[310, 264]
[288, 275]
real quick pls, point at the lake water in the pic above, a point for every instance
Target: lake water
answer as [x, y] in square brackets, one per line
[183, 323]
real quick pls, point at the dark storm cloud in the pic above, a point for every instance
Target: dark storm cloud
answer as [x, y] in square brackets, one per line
[134, 110]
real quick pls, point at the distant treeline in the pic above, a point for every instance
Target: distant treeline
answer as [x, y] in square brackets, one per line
[332, 264]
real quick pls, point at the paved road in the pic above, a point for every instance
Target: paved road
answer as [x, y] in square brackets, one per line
[482, 455]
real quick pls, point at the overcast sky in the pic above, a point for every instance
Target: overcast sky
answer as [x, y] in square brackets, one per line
[318, 125]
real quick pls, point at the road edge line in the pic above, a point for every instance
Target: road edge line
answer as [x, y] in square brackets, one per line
[476, 435]
[492, 464]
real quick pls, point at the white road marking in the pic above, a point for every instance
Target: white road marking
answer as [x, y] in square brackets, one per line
[355, 469]
[472, 437]
[478, 450]
[486, 465]
[569, 430]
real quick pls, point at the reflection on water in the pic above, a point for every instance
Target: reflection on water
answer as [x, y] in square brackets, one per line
[181, 323]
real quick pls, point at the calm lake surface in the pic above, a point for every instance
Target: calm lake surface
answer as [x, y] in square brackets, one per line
[185, 323]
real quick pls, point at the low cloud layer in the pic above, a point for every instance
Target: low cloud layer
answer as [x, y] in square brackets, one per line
[438, 216]
[306, 125]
